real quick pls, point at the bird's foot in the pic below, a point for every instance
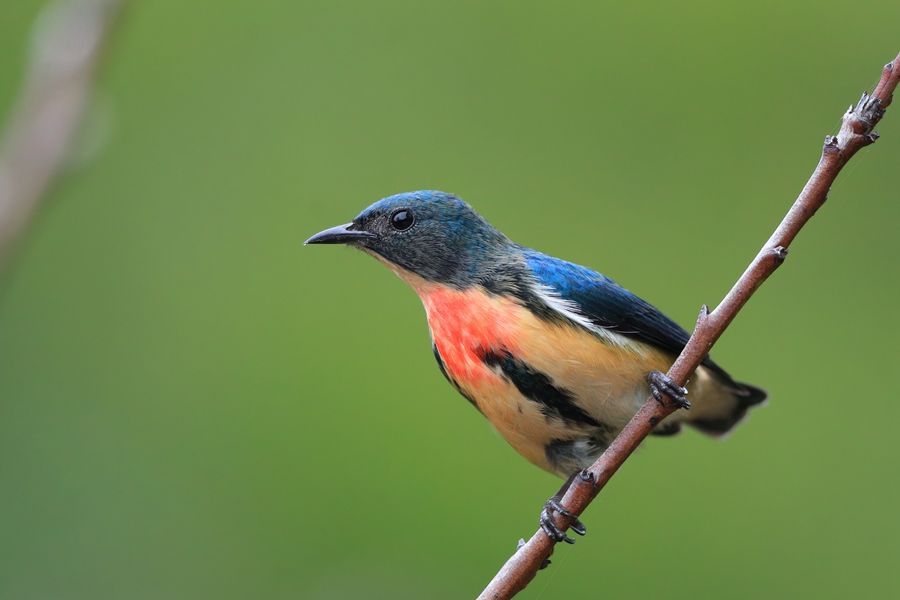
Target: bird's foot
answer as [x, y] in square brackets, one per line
[553, 532]
[661, 385]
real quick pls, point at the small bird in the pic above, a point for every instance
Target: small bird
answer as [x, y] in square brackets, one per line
[557, 357]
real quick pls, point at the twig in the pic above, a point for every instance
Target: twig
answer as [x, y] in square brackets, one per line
[856, 132]
[66, 48]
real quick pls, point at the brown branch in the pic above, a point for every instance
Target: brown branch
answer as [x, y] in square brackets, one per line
[856, 132]
[67, 45]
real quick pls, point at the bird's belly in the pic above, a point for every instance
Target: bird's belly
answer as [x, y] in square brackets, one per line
[556, 392]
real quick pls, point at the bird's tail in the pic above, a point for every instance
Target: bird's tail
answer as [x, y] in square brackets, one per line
[731, 406]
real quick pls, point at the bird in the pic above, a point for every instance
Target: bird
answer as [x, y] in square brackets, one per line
[557, 356]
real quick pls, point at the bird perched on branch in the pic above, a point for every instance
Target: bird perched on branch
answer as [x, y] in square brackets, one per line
[557, 357]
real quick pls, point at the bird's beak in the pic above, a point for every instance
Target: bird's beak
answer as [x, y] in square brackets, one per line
[342, 234]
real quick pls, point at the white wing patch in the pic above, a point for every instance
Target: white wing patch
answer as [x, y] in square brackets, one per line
[571, 311]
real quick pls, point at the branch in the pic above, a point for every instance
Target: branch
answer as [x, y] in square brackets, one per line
[857, 131]
[66, 48]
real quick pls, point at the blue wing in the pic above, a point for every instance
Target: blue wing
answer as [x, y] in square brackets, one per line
[608, 305]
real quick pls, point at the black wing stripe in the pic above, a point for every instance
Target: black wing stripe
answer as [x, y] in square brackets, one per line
[539, 388]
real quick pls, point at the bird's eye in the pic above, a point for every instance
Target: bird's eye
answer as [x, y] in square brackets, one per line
[402, 219]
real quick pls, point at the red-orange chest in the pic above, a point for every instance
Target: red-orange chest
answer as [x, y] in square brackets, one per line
[465, 324]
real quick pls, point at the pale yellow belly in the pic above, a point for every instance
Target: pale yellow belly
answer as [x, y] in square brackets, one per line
[606, 382]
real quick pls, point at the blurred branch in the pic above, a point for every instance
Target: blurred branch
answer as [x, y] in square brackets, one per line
[68, 40]
[856, 132]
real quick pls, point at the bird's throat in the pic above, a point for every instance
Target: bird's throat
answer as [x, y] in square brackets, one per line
[466, 324]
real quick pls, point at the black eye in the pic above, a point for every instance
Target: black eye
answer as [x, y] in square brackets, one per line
[402, 219]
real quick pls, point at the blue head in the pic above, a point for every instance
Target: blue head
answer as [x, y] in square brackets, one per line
[432, 234]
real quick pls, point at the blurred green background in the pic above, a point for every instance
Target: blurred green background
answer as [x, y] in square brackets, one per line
[193, 405]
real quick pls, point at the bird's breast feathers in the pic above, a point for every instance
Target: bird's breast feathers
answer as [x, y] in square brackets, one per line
[540, 382]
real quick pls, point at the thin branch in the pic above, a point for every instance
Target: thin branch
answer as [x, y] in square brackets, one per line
[855, 133]
[67, 44]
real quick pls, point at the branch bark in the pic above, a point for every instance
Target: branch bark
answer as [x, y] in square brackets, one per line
[67, 45]
[857, 131]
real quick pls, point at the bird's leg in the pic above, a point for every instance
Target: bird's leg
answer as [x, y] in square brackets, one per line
[553, 506]
[662, 385]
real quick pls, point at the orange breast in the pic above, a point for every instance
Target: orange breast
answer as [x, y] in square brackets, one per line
[464, 324]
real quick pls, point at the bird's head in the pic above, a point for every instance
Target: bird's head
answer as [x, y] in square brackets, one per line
[431, 234]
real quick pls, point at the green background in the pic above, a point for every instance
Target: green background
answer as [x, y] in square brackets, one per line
[193, 405]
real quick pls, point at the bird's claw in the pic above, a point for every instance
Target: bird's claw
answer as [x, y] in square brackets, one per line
[661, 385]
[553, 532]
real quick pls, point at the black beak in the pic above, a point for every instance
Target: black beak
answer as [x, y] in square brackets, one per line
[342, 234]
